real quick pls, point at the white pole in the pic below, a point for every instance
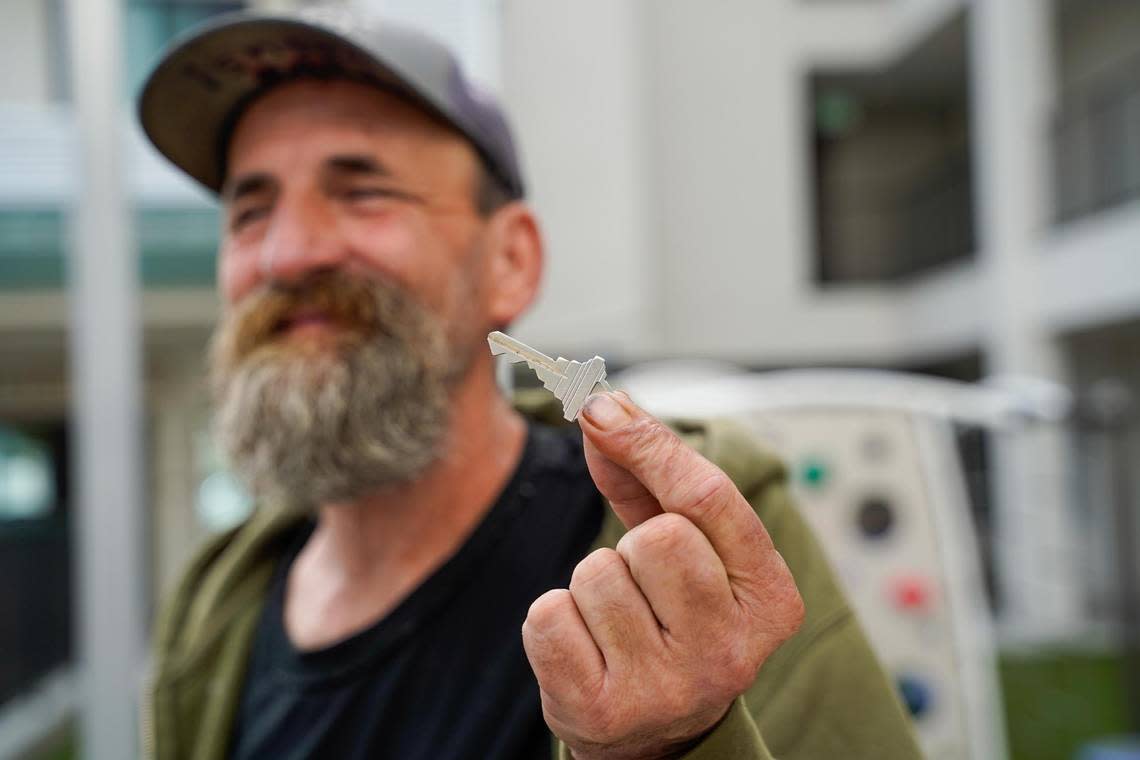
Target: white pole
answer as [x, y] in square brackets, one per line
[106, 395]
[1011, 78]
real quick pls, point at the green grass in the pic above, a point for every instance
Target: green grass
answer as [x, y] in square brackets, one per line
[1057, 701]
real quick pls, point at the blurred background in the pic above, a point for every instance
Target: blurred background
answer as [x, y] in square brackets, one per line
[943, 187]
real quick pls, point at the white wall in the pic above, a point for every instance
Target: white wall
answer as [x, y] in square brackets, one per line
[728, 149]
[27, 55]
[1101, 252]
[574, 81]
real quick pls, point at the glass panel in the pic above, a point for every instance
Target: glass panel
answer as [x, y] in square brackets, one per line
[177, 247]
[151, 24]
[146, 32]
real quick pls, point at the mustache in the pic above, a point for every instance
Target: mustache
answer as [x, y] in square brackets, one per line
[315, 426]
[348, 302]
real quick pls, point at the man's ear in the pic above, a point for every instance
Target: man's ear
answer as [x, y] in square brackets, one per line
[513, 264]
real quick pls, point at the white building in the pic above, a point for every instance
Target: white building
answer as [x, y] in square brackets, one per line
[942, 185]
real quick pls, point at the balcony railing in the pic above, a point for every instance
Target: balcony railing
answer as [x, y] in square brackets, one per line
[176, 247]
[874, 235]
[176, 224]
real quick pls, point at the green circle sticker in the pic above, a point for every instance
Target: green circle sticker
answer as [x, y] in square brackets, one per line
[814, 473]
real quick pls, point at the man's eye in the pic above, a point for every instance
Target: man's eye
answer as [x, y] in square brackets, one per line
[247, 215]
[373, 193]
[364, 193]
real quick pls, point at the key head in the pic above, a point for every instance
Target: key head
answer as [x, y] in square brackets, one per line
[578, 384]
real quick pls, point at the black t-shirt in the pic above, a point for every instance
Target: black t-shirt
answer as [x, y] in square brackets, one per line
[444, 675]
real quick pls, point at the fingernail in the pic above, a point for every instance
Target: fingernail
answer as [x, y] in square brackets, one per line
[603, 410]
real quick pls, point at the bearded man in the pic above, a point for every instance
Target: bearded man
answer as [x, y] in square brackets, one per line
[430, 574]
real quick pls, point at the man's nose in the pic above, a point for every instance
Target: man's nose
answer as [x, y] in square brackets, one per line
[302, 239]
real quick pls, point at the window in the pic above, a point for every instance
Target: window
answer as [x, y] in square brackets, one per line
[151, 24]
[892, 177]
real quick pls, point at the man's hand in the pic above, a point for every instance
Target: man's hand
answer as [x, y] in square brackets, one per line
[646, 650]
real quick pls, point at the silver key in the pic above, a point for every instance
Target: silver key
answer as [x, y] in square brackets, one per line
[572, 382]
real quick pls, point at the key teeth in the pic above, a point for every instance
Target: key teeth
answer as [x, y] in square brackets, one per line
[549, 380]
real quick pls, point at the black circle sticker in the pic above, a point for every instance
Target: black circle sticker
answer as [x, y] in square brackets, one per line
[876, 517]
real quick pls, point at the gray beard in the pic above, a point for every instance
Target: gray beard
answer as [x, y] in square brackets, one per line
[308, 427]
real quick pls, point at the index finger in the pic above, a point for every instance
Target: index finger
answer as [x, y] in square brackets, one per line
[680, 479]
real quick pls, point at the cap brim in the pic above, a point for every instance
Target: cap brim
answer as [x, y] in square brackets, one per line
[189, 102]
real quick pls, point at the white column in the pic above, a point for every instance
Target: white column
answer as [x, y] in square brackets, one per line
[1011, 79]
[575, 85]
[726, 130]
[106, 395]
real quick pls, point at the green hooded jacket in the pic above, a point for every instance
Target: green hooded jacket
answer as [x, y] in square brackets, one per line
[822, 695]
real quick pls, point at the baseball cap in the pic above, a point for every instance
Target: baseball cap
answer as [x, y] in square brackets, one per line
[192, 99]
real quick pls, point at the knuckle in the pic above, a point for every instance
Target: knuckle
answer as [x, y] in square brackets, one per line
[598, 566]
[652, 441]
[710, 492]
[667, 536]
[547, 612]
[652, 429]
[710, 581]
